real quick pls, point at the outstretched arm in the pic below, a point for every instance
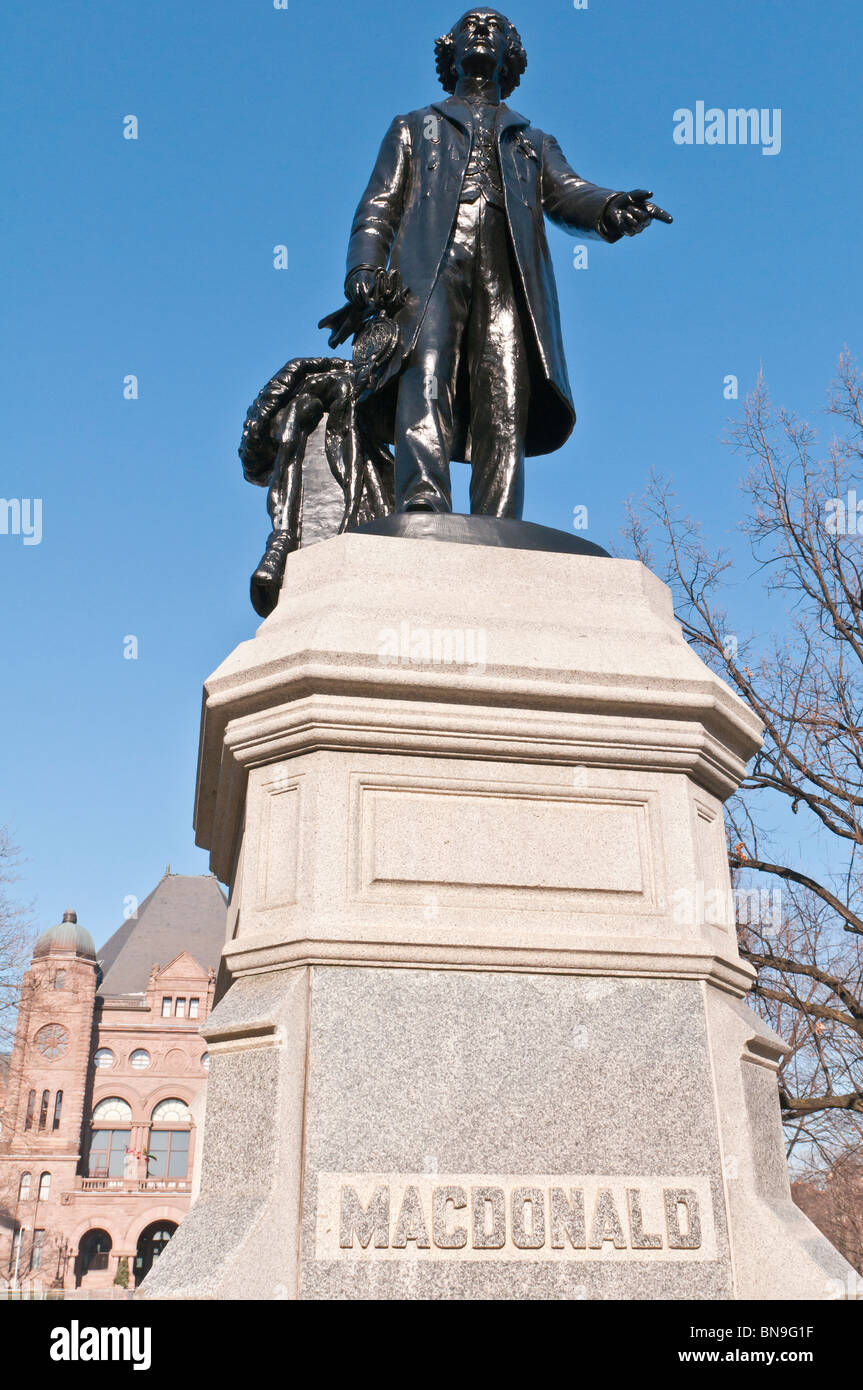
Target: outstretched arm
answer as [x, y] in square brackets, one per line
[586, 209]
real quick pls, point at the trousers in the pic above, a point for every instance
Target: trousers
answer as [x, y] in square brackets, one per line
[471, 331]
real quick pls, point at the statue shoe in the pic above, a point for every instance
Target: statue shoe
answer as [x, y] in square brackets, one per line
[266, 581]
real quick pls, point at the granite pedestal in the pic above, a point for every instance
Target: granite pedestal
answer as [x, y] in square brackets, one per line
[485, 1035]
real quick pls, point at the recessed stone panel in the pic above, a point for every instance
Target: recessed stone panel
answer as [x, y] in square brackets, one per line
[711, 899]
[488, 840]
[278, 855]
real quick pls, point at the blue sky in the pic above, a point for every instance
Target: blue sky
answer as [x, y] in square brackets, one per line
[154, 257]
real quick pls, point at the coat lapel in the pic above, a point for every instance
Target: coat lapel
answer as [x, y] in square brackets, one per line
[508, 119]
[458, 112]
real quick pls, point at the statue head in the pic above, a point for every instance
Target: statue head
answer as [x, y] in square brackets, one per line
[482, 44]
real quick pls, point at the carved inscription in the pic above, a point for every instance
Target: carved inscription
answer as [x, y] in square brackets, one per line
[425, 1216]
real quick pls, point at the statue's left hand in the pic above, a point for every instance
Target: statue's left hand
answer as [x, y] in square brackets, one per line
[629, 213]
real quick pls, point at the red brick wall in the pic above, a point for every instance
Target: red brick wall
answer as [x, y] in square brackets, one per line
[123, 1207]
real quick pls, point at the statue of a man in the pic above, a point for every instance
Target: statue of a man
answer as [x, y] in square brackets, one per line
[456, 204]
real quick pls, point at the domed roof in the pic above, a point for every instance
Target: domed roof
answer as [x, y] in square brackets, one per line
[66, 936]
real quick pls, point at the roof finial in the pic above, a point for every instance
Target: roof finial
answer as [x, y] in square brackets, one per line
[70, 916]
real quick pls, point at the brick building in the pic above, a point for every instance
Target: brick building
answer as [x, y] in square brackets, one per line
[102, 1096]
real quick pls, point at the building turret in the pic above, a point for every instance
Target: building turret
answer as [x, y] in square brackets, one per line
[53, 1041]
[66, 939]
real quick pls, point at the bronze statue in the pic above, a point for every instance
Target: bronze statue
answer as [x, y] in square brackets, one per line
[456, 203]
[458, 353]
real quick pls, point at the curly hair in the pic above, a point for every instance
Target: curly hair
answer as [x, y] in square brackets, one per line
[514, 63]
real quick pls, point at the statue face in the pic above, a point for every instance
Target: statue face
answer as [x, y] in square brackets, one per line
[480, 44]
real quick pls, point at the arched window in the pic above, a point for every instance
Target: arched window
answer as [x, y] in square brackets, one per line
[44, 1187]
[205, 1061]
[31, 1110]
[112, 1119]
[60, 979]
[24, 1188]
[93, 1251]
[151, 1243]
[112, 1110]
[58, 1106]
[168, 1149]
[43, 1109]
[172, 1111]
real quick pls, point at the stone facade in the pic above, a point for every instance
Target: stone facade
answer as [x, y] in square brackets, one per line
[98, 1097]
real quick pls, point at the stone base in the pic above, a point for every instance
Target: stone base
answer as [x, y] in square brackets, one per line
[419, 1134]
[485, 1035]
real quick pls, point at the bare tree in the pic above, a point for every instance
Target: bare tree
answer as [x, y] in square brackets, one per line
[805, 683]
[832, 1199]
[16, 937]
